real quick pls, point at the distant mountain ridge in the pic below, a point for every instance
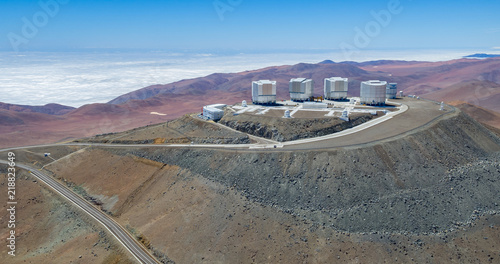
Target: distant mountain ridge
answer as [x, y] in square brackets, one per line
[482, 55]
[240, 82]
[50, 109]
[421, 78]
[475, 81]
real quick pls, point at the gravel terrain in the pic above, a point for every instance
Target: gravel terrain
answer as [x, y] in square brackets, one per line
[429, 196]
[427, 182]
[49, 229]
[183, 130]
[281, 129]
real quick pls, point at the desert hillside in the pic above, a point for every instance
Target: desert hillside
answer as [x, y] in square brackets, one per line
[278, 129]
[50, 228]
[185, 130]
[429, 196]
[485, 116]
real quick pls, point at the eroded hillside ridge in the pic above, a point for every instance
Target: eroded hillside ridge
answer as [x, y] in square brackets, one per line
[184, 130]
[291, 129]
[411, 184]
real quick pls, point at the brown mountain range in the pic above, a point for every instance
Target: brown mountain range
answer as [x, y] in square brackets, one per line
[51, 109]
[470, 80]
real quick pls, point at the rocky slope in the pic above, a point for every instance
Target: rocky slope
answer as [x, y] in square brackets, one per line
[333, 186]
[427, 197]
[281, 129]
[183, 130]
[483, 94]
[196, 220]
[49, 229]
[484, 116]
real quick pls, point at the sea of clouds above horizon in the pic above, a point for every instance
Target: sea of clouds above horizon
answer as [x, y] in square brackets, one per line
[79, 78]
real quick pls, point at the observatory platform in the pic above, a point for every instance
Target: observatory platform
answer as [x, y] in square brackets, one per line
[324, 109]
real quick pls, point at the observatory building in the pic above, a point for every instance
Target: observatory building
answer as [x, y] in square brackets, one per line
[264, 92]
[373, 92]
[301, 89]
[336, 88]
[213, 112]
[391, 90]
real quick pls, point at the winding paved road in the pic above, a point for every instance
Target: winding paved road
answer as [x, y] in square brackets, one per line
[137, 250]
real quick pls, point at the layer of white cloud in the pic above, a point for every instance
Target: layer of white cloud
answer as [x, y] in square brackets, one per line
[76, 79]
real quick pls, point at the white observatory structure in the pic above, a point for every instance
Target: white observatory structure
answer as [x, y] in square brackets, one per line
[335, 88]
[287, 114]
[345, 115]
[264, 92]
[214, 112]
[301, 89]
[373, 92]
[391, 91]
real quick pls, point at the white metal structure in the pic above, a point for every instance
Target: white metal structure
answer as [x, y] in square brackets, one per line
[287, 114]
[373, 92]
[335, 88]
[401, 94]
[345, 115]
[264, 92]
[244, 103]
[301, 89]
[391, 90]
[314, 105]
[214, 112]
[442, 106]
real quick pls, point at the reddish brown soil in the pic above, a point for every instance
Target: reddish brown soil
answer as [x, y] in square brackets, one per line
[195, 220]
[26, 129]
[482, 115]
[49, 229]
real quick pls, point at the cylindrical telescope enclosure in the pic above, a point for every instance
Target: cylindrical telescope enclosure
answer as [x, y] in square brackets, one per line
[373, 92]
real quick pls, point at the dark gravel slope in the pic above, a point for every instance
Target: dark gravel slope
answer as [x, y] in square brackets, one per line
[429, 181]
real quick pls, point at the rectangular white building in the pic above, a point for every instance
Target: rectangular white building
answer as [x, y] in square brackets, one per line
[264, 92]
[214, 112]
[301, 89]
[336, 88]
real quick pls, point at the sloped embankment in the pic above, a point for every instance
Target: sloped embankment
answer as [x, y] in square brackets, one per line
[183, 130]
[49, 229]
[197, 206]
[281, 129]
[419, 183]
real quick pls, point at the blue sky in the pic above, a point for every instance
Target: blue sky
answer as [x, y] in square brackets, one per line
[248, 24]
